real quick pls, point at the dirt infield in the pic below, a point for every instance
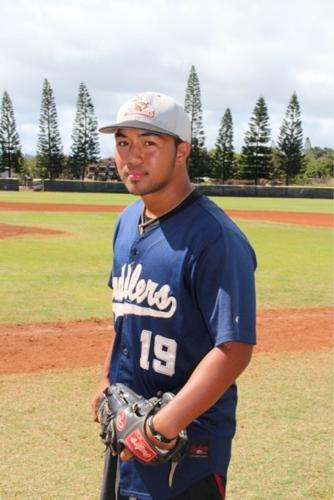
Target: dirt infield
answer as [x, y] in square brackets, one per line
[304, 218]
[57, 207]
[309, 219]
[13, 231]
[44, 346]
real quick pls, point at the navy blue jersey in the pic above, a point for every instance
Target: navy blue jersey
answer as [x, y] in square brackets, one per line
[181, 288]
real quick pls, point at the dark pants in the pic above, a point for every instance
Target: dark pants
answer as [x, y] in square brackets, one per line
[209, 488]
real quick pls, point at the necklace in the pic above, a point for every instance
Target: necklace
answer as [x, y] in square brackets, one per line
[146, 221]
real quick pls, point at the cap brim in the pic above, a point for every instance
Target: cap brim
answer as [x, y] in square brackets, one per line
[111, 129]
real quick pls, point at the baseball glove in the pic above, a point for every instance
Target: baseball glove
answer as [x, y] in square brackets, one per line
[123, 415]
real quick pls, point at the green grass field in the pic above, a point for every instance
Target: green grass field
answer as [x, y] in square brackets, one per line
[50, 449]
[64, 277]
[283, 448]
[58, 277]
[246, 203]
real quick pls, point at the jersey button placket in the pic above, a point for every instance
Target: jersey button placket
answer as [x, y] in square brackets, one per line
[125, 351]
[134, 252]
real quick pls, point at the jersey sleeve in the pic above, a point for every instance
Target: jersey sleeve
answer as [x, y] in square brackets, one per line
[225, 289]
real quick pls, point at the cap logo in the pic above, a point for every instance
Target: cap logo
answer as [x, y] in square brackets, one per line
[140, 107]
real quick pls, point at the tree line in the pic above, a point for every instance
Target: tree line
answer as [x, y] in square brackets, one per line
[50, 161]
[260, 158]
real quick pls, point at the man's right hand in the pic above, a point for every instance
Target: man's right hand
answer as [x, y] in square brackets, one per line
[96, 399]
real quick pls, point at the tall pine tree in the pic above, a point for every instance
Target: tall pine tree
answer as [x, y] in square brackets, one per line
[85, 147]
[198, 160]
[50, 158]
[10, 149]
[256, 153]
[223, 160]
[290, 140]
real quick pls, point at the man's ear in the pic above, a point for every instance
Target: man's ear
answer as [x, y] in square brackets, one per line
[182, 152]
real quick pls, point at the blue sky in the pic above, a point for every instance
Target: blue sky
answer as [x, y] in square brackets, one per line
[240, 49]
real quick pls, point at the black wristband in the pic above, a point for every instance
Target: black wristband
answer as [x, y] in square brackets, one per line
[157, 434]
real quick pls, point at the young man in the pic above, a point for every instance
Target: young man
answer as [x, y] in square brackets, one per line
[183, 305]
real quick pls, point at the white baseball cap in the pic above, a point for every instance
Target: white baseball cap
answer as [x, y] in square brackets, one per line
[154, 112]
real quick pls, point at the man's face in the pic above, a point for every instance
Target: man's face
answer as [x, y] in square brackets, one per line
[146, 162]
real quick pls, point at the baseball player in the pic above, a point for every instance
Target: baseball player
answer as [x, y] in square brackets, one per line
[183, 306]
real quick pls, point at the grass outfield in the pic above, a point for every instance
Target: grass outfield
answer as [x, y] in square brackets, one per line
[284, 445]
[63, 277]
[283, 448]
[244, 203]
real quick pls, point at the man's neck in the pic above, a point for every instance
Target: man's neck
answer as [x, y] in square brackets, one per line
[158, 204]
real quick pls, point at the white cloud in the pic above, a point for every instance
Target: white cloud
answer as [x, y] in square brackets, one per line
[240, 49]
